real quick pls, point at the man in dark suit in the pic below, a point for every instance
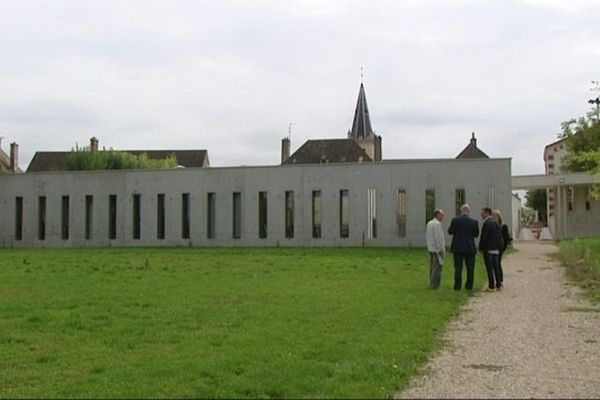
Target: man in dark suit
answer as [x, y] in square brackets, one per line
[464, 230]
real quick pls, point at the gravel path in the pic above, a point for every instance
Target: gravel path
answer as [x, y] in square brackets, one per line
[536, 338]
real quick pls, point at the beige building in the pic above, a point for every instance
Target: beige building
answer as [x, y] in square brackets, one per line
[553, 154]
[582, 212]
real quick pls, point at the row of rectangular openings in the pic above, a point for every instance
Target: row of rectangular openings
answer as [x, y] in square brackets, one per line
[316, 203]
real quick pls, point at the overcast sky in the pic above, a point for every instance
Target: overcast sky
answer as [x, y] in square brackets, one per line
[228, 76]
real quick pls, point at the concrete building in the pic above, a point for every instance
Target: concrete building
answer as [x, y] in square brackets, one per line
[581, 212]
[553, 155]
[335, 192]
[517, 214]
[345, 204]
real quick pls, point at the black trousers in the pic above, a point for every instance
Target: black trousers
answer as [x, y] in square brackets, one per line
[469, 261]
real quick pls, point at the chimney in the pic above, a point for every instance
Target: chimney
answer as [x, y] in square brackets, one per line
[94, 144]
[377, 148]
[285, 149]
[14, 157]
[473, 140]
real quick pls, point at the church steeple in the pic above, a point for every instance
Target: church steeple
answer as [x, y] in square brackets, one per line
[361, 125]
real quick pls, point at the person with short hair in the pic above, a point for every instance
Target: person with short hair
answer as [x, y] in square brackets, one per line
[464, 230]
[436, 246]
[490, 245]
[506, 239]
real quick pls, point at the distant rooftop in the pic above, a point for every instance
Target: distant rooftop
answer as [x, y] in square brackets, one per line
[45, 161]
[328, 151]
[472, 151]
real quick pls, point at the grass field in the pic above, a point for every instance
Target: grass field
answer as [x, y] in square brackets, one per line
[582, 259]
[217, 322]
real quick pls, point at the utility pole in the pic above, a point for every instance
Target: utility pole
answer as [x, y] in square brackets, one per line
[596, 101]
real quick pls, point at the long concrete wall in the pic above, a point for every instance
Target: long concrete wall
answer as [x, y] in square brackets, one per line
[486, 182]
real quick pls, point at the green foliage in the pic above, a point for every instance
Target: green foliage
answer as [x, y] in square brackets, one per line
[218, 323]
[583, 145]
[583, 141]
[582, 259]
[537, 200]
[82, 159]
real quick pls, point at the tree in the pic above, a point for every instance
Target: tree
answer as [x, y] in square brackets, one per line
[537, 200]
[583, 138]
[583, 141]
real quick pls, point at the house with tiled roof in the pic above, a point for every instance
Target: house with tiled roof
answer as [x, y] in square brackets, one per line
[472, 151]
[9, 163]
[44, 161]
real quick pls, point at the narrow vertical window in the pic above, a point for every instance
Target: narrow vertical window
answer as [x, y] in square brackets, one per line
[137, 216]
[210, 216]
[19, 218]
[459, 199]
[401, 213]
[317, 214]
[185, 216]
[237, 215]
[344, 225]
[65, 218]
[112, 216]
[160, 216]
[588, 197]
[262, 215]
[371, 213]
[491, 197]
[42, 217]
[429, 204]
[289, 214]
[89, 215]
[571, 197]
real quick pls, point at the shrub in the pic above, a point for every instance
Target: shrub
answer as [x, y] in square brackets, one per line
[82, 159]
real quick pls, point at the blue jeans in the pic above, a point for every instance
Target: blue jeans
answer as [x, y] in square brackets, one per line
[492, 267]
[469, 260]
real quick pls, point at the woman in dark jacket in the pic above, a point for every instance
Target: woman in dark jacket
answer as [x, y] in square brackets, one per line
[506, 239]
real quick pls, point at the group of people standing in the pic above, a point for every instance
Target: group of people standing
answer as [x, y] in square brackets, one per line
[493, 243]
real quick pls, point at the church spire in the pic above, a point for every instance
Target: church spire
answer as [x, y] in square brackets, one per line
[361, 125]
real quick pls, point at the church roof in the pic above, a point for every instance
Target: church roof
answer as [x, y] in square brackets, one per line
[328, 151]
[361, 125]
[44, 161]
[472, 151]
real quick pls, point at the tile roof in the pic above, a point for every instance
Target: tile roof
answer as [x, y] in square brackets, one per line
[472, 151]
[328, 151]
[44, 161]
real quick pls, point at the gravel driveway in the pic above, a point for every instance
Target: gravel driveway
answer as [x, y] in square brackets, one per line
[536, 338]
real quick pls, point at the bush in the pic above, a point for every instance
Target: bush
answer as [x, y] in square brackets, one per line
[82, 159]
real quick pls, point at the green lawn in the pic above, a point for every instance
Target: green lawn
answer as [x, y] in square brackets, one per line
[218, 322]
[582, 259]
